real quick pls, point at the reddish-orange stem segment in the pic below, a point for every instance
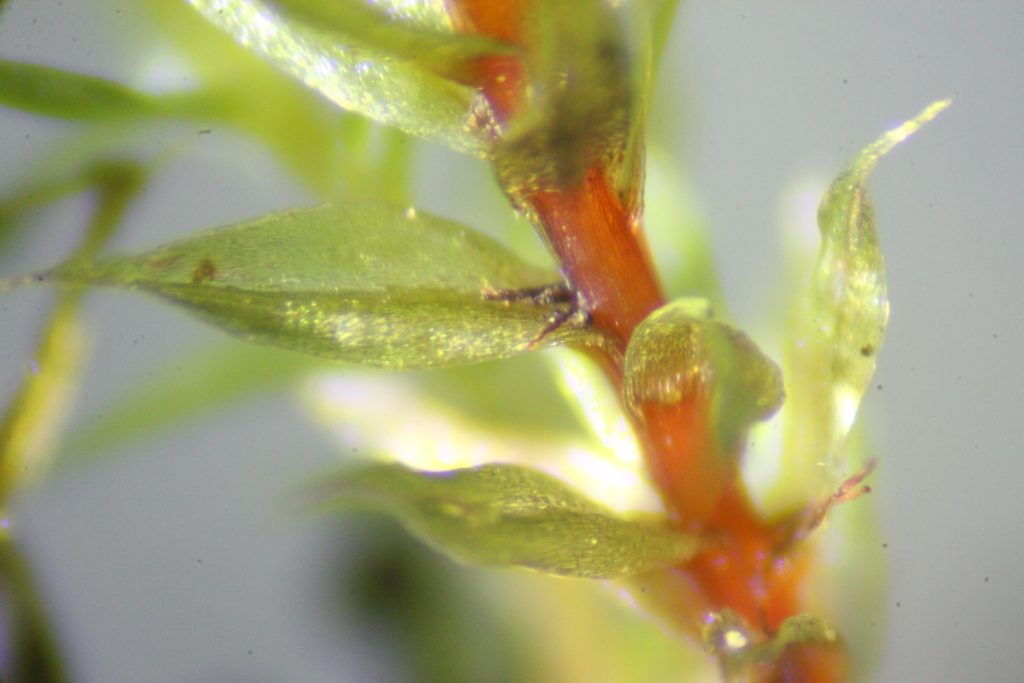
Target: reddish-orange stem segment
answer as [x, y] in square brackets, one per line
[603, 254]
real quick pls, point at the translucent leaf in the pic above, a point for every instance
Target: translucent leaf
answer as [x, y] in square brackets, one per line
[677, 351]
[849, 293]
[366, 80]
[502, 515]
[65, 94]
[837, 329]
[581, 87]
[366, 283]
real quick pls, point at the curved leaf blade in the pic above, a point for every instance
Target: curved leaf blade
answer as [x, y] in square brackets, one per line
[358, 78]
[365, 283]
[509, 516]
[837, 329]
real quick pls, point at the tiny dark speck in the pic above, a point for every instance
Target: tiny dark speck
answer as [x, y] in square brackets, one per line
[867, 350]
[205, 131]
[986, 579]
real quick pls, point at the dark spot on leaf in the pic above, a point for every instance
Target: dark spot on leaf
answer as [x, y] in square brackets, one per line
[867, 350]
[205, 271]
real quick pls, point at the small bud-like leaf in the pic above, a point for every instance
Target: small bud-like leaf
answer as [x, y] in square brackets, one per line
[677, 350]
[367, 79]
[365, 283]
[510, 516]
[729, 638]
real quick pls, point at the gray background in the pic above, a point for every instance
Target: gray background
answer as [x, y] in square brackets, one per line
[171, 566]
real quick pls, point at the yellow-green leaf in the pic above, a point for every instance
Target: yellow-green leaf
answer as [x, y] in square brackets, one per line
[504, 515]
[678, 350]
[359, 78]
[366, 283]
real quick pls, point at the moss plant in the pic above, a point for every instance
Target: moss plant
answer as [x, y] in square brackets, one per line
[657, 501]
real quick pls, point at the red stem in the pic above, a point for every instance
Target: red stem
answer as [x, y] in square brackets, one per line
[600, 246]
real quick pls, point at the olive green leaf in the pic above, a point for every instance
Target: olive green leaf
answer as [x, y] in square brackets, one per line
[366, 283]
[837, 328]
[579, 60]
[505, 515]
[678, 350]
[366, 79]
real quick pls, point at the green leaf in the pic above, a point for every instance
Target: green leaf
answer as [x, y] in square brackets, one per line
[677, 351]
[353, 22]
[366, 80]
[365, 283]
[503, 515]
[837, 329]
[579, 61]
[65, 94]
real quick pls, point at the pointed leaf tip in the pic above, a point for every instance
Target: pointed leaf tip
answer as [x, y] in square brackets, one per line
[509, 516]
[837, 329]
[850, 311]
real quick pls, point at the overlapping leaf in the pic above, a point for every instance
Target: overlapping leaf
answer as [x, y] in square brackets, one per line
[429, 43]
[504, 515]
[366, 283]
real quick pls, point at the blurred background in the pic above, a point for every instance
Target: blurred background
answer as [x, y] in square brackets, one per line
[168, 556]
